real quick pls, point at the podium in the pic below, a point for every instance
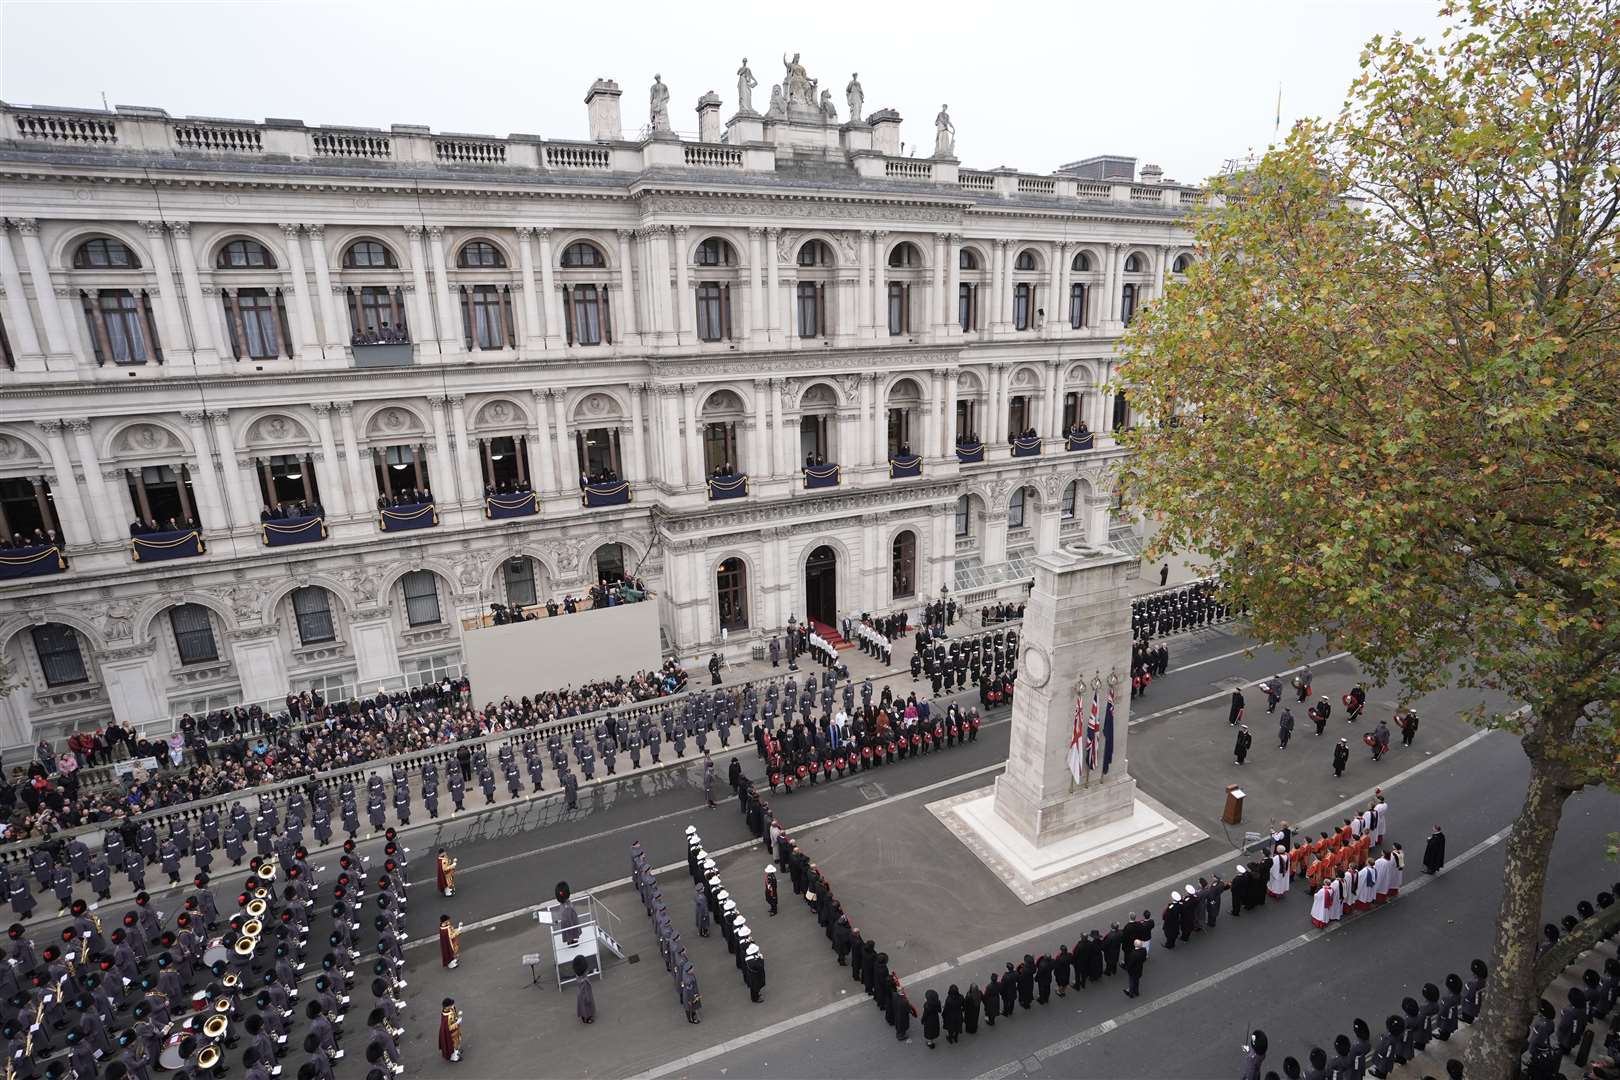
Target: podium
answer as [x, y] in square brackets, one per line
[596, 933]
[1233, 813]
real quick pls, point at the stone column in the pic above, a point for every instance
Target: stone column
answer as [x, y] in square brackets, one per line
[1099, 511]
[172, 325]
[422, 315]
[450, 336]
[1057, 308]
[786, 448]
[939, 305]
[933, 426]
[1160, 254]
[685, 300]
[868, 324]
[104, 512]
[674, 473]
[56, 334]
[442, 472]
[472, 488]
[548, 288]
[546, 476]
[638, 472]
[1111, 282]
[763, 464]
[626, 308]
[1055, 420]
[759, 312]
[773, 319]
[19, 319]
[997, 428]
[569, 467]
[334, 324]
[210, 506]
[69, 501]
[880, 286]
[203, 325]
[360, 492]
[690, 439]
[335, 494]
[243, 506]
[953, 287]
[534, 334]
[998, 281]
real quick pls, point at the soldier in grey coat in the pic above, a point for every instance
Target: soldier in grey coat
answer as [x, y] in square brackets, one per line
[691, 1000]
[700, 909]
[570, 785]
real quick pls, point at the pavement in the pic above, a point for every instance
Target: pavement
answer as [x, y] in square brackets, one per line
[944, 918]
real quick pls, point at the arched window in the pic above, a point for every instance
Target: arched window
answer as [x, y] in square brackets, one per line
[905, 255]
[480, 254]
[964, 515]
[105, 254]
[1015, 509]
[368, 255]
[421, 592]
[312, 611]
[815, 253]
[731, 589]
[1182, 264]
[715, 252]
[244, 255]
[60, 658]
[1068, 500]
[1025, 260]
[1081, 263]
[193, 634]
[967, 259]
[518, 573]
[1133, 263]
[582, 255]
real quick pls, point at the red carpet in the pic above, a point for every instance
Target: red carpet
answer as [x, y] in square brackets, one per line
[834, 638]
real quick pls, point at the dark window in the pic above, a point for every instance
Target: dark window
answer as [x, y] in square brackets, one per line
[1127, 304]
[1021, 306]
[815, 253]
[60, 658]
[967, 260]
[587, 318]
[379, 310]
[1015, 510]
[1071, 410]
[903, 576]
[421, 598]
[714, 252]
[731, 583]
[369, 254]
[964, 515]
[312, 609]
[20, 508]
[1081, 264]
[1133, 263]
[244, 255]
[582, 255]
[904, 255]
[1182, 264]
[480, 253]
[290, 477]
[1025, 260]
[965, 295]
[519, 575]
[193, 634]
[811, 319]
[711, 312]
[720, 447]
[1077, 305]
[102, 254]
[899, 309]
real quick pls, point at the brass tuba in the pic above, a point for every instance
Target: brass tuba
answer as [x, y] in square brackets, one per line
[214, 1027]
[208, 1057]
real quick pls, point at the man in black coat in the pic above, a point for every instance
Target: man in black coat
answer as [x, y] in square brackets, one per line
[1111, 942]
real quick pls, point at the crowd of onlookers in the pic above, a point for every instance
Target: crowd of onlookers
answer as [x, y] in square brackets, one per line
[405, 497]
[244, 747]
[291, 509]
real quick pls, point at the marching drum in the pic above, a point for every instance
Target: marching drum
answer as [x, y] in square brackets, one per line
[215, 952]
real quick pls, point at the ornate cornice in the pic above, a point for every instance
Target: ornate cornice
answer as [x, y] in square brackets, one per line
[822, 510]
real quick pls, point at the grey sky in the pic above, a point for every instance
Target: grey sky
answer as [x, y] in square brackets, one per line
[1182, 83]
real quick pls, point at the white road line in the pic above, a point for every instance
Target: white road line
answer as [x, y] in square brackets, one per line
[740, 846]
[1080, 1038]
[1223, 656]
[1206, 699]
[1067, 922]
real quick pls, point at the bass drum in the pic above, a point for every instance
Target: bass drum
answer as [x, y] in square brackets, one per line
[170, 1058]
[215, 952]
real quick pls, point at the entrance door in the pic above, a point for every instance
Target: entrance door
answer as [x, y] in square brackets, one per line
[821, 586]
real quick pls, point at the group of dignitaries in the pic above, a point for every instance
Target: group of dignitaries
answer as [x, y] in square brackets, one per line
[189, 990]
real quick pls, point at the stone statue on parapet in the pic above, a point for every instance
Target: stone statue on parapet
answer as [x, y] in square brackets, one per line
[944, 134]
[856, 97]
[745, 88]
[659, 104]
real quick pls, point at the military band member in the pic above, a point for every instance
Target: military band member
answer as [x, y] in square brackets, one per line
[449, 943]
[450, 1030]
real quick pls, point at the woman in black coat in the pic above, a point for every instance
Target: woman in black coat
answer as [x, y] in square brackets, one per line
[1094, 957]
[900, 1011]
[970, 1009]
[992, 1000]
[951, 1015]
[1043, 979]
[930, 1017]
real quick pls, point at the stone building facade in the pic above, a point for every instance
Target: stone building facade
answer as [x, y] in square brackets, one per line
[208, 319]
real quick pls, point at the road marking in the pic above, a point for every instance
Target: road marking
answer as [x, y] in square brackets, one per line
[742, 845]
[1223, 656]
[1080, 1038]
[1000, 948]
[1206, 699]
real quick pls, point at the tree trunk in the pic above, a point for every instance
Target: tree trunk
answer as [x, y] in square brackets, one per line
[1511, 994]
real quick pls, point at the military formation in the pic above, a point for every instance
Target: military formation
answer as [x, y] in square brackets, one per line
[195, 990]
[1187, 608]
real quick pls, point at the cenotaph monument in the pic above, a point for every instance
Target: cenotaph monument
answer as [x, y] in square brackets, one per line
[1066, 810]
